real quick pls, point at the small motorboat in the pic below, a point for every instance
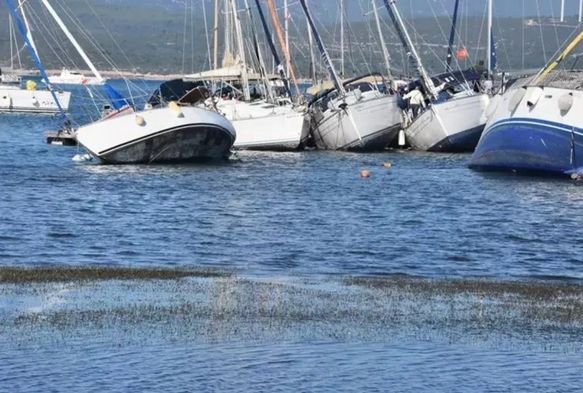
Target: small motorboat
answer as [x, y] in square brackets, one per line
[168, 130]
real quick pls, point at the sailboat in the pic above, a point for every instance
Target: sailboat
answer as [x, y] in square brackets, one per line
[268, 122]
[171, 131]
[537, 127]
[354, 114]
[16, 99]
[68, 77]
[455, 118]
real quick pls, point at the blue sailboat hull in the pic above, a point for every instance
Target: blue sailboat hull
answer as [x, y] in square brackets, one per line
[531, 146]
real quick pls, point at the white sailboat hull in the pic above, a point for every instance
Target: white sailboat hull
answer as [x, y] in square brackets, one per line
[73, 78]
[17, 100]
[263, 126]
[451, 126]
[162, 135]
[366, 124]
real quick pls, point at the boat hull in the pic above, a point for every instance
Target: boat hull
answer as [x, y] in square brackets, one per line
[262, 126]
[159, 136]
[365, 125]
[533, 137]
[453, 126]
[16, 100]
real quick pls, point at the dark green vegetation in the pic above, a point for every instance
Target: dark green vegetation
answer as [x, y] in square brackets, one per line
[23, 275]
[171, 38]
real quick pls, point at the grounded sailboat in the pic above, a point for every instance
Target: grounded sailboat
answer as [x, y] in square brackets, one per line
[537, 127]
[455, 118]
[16, 99]
[265, 123]
[354, 115]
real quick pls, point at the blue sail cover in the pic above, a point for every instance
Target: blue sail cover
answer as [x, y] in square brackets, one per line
[117, 100]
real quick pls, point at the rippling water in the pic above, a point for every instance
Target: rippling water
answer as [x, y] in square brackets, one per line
[274, 217]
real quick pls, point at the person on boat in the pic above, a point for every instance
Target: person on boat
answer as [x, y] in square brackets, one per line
[404, 106]
[416, 100]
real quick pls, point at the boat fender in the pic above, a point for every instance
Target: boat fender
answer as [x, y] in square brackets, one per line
[492, 106]
[516, 99]
[533, 96]
[358, 94]
[176, 109]
[140, 121]
[566, 103]
[402, 141]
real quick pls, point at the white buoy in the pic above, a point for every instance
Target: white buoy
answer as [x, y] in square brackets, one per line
[402, 141]
[533, 96]
[174, 107]
[516, 98]
[566, 103]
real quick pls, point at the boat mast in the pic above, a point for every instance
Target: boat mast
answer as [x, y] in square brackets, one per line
[206, 33]
[323, 51]
[281, 38]
[28, 30]
[342, 38]
[312, 58]
[258, 55]
[216, 35]
[10, 35]
[241, 47]
[580, 11]
[271, 44]
[286, 29]
[452, 36]
[72, 39]
[33, 53]
[562, 11]
[490, 53]
[409, 46]
[386, 55]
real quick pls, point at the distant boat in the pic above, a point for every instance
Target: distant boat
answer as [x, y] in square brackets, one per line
[67, 77]
[354, 115]
[15, 99]
[166, 131]
[538, 127]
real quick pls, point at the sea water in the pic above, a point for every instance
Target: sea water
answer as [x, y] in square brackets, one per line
[292, 231]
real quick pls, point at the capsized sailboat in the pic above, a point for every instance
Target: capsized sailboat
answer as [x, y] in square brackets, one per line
[354, 115]
[455, 118]
[537, 127]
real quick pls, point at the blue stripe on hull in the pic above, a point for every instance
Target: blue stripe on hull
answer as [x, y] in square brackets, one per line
[461, 142]
[527, 145]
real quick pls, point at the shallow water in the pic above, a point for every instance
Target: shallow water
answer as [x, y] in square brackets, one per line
[305, 223]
